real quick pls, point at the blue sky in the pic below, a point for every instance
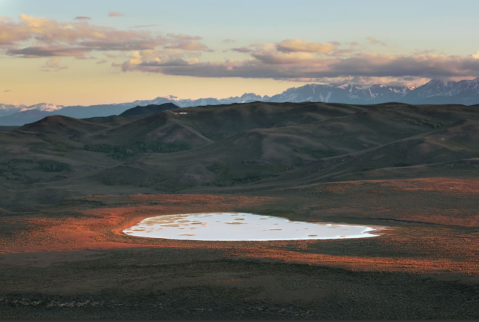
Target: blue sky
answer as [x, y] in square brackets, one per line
[449, 26]
[272, 45]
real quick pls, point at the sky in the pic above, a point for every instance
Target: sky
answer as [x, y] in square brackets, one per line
[112, 51]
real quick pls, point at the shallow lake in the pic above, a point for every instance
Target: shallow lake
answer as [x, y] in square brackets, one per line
[226, 226]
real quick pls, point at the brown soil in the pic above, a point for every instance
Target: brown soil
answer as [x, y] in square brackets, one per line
[423, 264]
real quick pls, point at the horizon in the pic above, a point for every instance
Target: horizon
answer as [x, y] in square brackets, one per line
[109, 52]
[176, 98]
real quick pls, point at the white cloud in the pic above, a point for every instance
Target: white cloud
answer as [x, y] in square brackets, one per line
[53, 64]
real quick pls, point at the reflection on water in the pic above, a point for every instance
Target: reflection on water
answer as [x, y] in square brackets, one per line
[241, 226]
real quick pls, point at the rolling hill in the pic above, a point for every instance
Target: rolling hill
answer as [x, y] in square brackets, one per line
[236, 147]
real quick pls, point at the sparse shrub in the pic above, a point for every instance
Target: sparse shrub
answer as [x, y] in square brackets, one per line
[123, 152]
[53, 166]
[106, 148]
[317, 153]
[59, 145]
[434, 125]
[228, 175]
[216, 167]
[107, 181]
[298, 162]
[403, 164]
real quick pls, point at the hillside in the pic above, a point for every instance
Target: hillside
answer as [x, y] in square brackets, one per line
[142, 111]
[62, 126]
[239, 146]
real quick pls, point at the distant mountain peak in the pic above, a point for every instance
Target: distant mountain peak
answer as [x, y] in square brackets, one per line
[435, 91]
[47, 107]
[435, 82]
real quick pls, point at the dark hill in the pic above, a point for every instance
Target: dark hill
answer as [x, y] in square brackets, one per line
[62, 126]
[112, 120]
[160, 128]
[240, 146]
[142, 111]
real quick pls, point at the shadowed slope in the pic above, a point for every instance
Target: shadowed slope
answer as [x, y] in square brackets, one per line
[62, 126]
[142, 111]
[113, 120]
[242, 146]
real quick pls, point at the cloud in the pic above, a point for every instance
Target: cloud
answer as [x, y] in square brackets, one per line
[115, 14]
[298, 45]
[476, 55]
[50, 38]
[286, 58]
[122, 45]
[175, 62]
[242, 50]
[299, 60]
[297, 67]
[36, 52]
[7, 90]
[143, 26]
[101, 61]
[191, 45]
[270, 54]
[424, 51]
[369, 81]
[116, 64]
[430, 65]
[228, 41]
[375, 41]
[82, 18]
[186, 42]
[183, 37]
[53, 64]
[340, 52]
[51, 32]
[6, 19]
[153, 60]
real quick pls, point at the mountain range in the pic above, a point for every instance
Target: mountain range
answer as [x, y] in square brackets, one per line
[464, 92]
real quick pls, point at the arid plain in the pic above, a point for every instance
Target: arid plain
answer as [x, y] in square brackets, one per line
[69, 187]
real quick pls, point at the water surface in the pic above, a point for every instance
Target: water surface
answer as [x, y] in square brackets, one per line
[226, 226]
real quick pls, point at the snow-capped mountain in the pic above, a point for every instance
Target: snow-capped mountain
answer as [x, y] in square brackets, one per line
[9, 109]
[434, 92]
[437, 92]
[22, 114]
[343, 93]
[47, 107]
